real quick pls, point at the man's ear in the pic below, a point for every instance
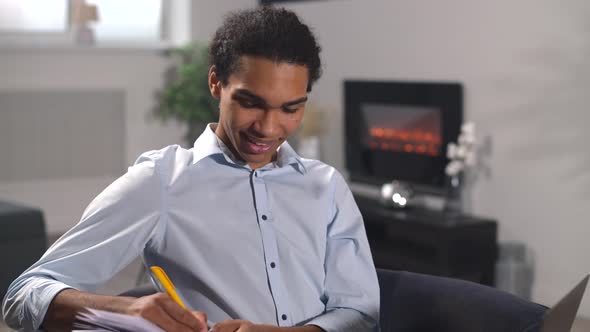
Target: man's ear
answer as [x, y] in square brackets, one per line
[214, 83]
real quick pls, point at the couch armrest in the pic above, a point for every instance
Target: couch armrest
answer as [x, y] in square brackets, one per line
[417, 302]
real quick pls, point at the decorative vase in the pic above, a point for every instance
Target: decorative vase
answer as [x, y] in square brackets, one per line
[454, 201]
[84, 35]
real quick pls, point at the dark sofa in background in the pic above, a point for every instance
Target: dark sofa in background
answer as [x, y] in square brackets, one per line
[419, 303]
[23, 240]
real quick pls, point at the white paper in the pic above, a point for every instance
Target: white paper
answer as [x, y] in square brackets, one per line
[98, 320]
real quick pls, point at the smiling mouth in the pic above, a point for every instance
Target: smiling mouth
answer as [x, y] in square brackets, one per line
[256, 147]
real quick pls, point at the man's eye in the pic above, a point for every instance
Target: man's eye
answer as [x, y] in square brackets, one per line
[247, 104]
[289, 110]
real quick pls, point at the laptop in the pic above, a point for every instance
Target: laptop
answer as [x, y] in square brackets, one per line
[561, 317]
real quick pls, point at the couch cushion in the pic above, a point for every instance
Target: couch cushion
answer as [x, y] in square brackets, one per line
[18, 222]
[417, 302]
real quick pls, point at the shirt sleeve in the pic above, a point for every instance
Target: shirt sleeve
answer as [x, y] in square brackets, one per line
[351, 285]
[113, 231]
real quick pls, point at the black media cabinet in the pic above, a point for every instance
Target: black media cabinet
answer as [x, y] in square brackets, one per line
[431, 242]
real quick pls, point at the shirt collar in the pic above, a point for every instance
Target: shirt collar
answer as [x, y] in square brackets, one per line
[209, 144]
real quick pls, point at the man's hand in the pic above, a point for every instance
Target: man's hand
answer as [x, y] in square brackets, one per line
[247, 326]
[236, 326]
[158, 308]
[161, 310]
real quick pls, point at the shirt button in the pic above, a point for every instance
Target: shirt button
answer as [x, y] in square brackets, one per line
[264, 217]
[284, 317]
[272, 264]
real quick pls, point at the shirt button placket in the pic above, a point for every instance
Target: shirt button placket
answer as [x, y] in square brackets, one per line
[269, 241]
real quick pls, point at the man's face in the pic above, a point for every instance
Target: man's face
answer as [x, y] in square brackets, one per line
[261, 105]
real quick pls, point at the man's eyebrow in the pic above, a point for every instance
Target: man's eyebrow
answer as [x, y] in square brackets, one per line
[257, 98]
[251, 95]
[295, 102]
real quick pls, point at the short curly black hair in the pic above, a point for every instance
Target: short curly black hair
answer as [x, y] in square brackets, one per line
[269, 32]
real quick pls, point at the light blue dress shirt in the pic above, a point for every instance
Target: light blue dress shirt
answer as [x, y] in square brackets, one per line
[283, 245]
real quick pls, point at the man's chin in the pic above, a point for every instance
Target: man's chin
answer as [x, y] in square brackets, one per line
[256, 160]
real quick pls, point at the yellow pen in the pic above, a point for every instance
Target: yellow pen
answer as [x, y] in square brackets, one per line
[167, 284]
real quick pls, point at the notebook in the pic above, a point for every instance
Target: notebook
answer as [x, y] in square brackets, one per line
[98, 320]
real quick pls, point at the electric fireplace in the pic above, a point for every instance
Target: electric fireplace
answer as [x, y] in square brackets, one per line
[400, 130]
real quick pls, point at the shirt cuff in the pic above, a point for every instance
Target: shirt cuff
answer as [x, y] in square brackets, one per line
[343, 320]
[38, 308]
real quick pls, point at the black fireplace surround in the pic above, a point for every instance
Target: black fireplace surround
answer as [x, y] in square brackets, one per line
[400, 130]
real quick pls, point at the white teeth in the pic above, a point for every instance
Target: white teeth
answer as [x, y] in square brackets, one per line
[256, 143]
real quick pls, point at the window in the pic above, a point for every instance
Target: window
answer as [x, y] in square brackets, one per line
[118, 21]
[26, 16]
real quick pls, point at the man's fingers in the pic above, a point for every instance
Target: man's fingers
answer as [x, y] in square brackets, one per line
[157, 315]
[182, 315]
[201, 317]
[167, 314]
[228, 326]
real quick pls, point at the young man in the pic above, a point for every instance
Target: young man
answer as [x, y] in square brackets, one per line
[254, 237]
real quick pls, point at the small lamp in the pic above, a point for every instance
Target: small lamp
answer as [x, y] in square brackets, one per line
[82, 15]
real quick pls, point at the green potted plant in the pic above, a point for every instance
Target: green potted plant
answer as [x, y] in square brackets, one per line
[186, 95]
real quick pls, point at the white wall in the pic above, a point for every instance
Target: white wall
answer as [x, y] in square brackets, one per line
[207, 15]
[138, 72]
[525, 66]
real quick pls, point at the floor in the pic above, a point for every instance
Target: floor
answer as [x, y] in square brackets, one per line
[127, 277]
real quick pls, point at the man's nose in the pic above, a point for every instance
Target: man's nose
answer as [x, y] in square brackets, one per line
[268, 123]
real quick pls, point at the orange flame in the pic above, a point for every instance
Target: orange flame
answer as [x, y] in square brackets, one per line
[409, 141]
